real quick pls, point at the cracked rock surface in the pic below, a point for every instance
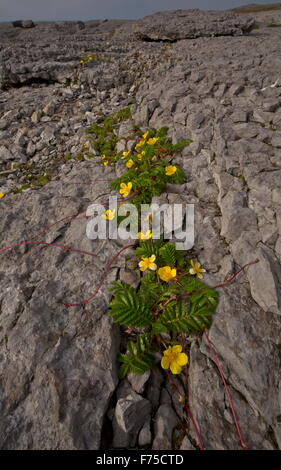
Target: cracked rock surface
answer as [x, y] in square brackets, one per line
[58, 384]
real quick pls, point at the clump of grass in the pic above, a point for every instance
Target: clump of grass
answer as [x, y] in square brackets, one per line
[274, 25]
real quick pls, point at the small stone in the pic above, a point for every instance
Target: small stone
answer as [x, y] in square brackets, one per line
[35, 117]
[50, 108]
[234, 90]
[20, 138]
[28, 24]
[265, 280]
[30, 149]
[5, 154]
[138, 381]
[3, 124]
[130, 415]
[165, 422]
[276, 139]
[145, 435]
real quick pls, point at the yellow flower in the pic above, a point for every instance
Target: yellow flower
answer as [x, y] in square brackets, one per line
[170, 170]
[147, 236]
[152, 141]
[167, 273]
[174, 359]
[145, 135]
[148, 263]
[108, 215]
[196, 269]
[2, 195]
[126, 154]
[130, 163]
[81, 61]
[140, 155]
[90, 58]
[125, 189]
[140, 143]
[105, 163]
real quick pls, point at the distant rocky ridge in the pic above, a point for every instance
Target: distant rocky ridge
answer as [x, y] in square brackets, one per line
[58, 371]
[257, 8]
[187, 24]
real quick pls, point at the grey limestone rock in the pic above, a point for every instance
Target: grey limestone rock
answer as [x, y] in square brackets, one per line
[58, 364]
[131, 413]
[165, 422]
[188, 24]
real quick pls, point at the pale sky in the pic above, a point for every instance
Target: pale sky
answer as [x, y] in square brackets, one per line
[101, 9]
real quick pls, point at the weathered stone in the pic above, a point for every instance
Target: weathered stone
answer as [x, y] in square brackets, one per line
[187, 24]
[5, 154]
[145, 435]
[49, 109]
[130, 415]
[23, 24]
[56, 393]
[138, 381]
[265, 280]
[165, 422]
[276, 140]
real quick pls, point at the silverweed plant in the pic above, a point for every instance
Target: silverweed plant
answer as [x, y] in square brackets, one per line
[170, 301]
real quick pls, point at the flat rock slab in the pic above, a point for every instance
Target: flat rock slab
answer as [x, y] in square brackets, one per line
[58, 369]
[188, 24]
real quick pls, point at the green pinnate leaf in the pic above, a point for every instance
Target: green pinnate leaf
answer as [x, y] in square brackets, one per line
[127, 306]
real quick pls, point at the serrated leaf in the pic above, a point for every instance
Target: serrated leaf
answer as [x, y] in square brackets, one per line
[127, 306]
[168, 255]
[138, 358]
[180, 318]
[123, 370]
[149, 248]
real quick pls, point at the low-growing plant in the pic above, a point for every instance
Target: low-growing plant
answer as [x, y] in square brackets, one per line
[169, 302]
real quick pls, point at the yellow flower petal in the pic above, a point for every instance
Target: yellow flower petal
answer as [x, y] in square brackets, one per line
[140, 143]
[145, 236]
[109, 215]
[165, 363]
[166, 273]
[125, 189]
[168, 351]
[182, 359]
[152, 141]
[175, 368]
[126, 154]
[196, 269]
[177, 349]
[170, 170]
[130, 163]
[145, 135]
[2, 195]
